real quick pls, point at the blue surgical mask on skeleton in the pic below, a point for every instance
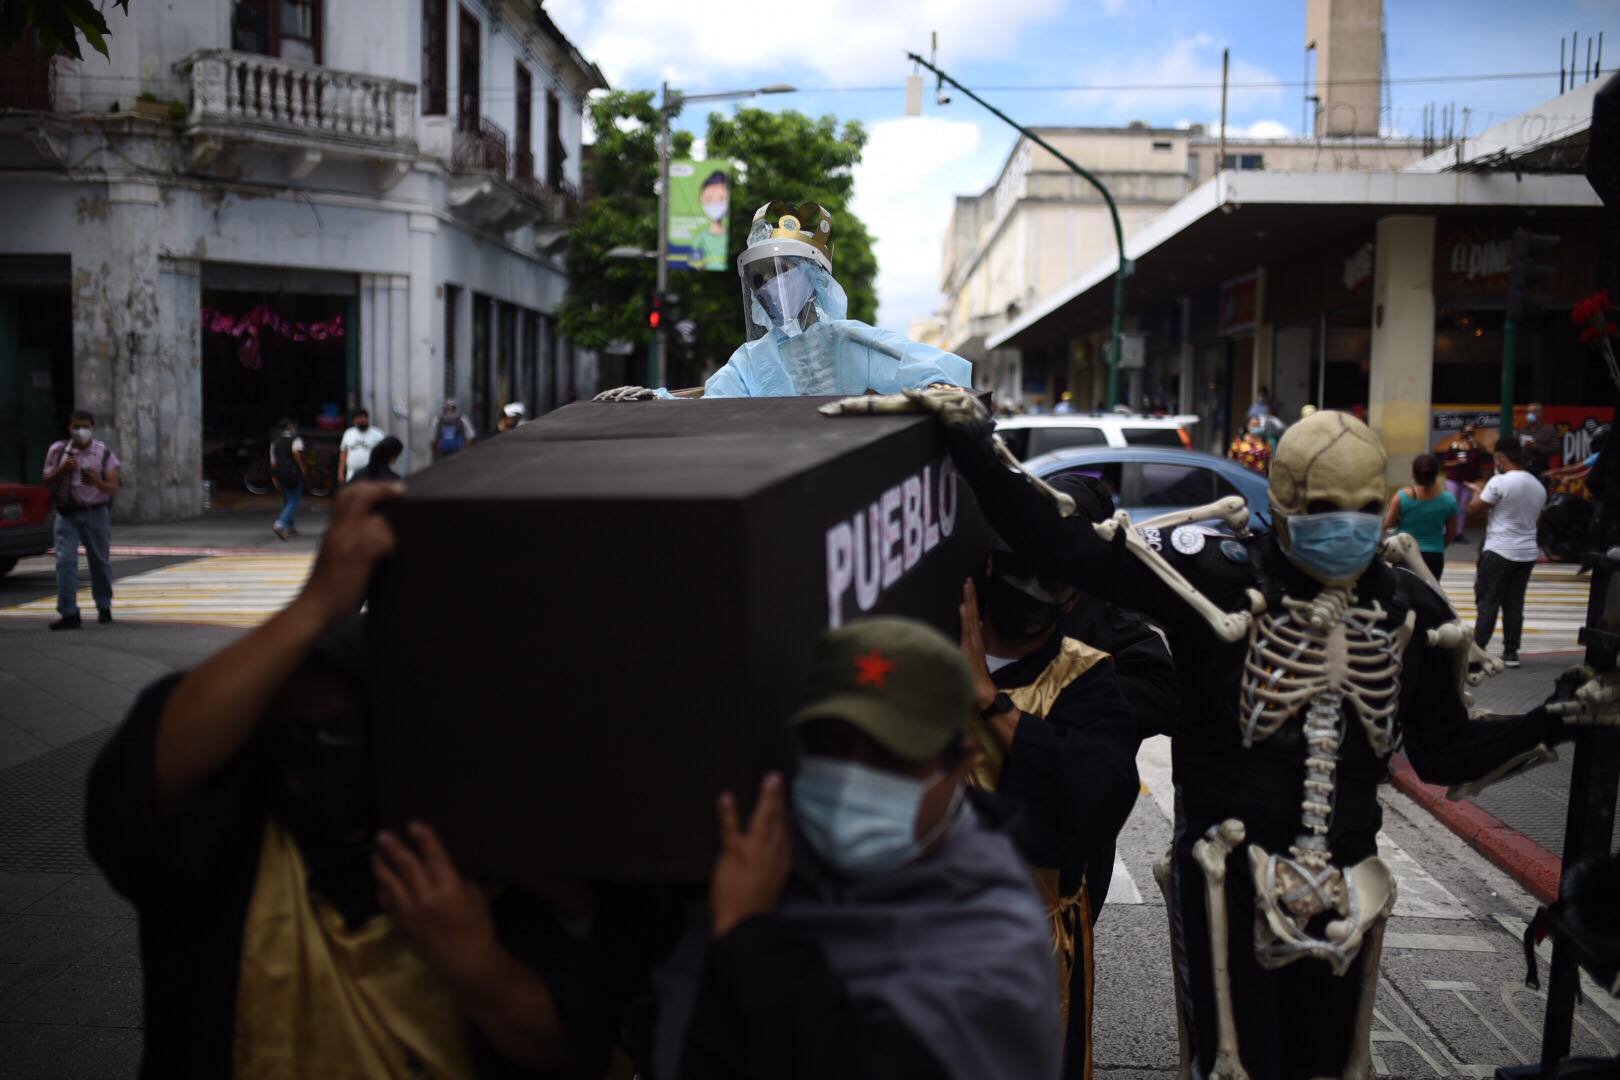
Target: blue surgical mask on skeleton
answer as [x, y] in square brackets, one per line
[783, 298]
[1334, 546]
[862, 821]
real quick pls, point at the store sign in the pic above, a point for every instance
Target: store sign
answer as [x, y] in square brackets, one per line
[699, 214]
[1239, 307]
[1575, 425]
[1472, 259]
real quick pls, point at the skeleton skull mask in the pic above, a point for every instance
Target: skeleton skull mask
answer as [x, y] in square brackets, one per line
[1327, 463]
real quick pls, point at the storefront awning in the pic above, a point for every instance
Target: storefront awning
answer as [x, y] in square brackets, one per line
[1237, 221]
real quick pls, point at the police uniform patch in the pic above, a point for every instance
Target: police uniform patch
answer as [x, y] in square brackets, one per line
[1188, 539]
[1234, 551]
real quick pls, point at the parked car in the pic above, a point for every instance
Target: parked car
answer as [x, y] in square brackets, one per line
[1032, 436]
[26, 523]
[1149, 481]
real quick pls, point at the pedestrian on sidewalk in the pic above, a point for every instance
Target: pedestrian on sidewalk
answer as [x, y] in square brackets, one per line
[1513, 500]
[83, 474]
[287, 471]
[354, 451]
[453, 431]
[1425, 511]
[1464, 460]
[1539, 439]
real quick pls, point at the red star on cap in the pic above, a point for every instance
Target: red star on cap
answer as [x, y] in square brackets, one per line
[874, 669]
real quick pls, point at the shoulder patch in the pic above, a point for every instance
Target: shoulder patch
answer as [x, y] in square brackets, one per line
[1235, 552]
[1188, 539]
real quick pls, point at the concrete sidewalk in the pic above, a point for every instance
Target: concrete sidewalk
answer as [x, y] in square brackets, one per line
[1518, 823]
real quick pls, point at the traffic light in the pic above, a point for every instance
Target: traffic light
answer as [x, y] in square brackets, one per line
[655, 311]
[1534, 260]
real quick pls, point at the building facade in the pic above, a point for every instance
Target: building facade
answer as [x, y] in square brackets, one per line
[262, 208]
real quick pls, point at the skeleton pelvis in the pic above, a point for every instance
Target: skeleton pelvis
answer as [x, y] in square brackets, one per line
[1361, 896]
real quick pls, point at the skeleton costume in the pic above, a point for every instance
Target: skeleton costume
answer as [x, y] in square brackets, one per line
[1304, 662]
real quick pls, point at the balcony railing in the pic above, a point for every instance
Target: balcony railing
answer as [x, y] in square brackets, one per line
[266, 93]
[482, 151]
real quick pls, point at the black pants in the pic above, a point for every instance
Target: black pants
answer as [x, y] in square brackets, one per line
[1499, 584]
[1435, 561]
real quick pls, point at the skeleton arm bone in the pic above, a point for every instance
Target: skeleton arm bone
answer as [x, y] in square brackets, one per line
[1229, 626]
[1232, 510]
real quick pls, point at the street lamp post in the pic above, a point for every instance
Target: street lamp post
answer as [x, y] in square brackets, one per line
[1113, 212]
[670, 104]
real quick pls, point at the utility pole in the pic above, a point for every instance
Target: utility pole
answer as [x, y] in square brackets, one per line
[660, 358]
[1527, 269]
[1124, 269]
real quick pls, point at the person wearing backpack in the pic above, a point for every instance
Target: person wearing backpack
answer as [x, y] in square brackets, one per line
[453, 433]
[83, 476]
[287, 470]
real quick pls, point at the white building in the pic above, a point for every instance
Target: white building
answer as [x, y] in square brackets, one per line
[268, 207]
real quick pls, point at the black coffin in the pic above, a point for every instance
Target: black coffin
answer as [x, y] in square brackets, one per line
[595, 623]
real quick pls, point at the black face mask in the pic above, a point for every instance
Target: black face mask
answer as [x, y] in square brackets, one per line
[1015, 615]
[363, 425]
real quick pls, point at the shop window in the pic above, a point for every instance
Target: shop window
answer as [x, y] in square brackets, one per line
[290, 29]
[25, 75]
[1243, 162]
[435, 57]
[469, 71]
[523, 164]
[529, 383]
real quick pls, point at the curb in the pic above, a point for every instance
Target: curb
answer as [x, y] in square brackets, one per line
[1515, 854]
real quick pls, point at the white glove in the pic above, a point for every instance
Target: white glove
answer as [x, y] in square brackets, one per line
[627, 393]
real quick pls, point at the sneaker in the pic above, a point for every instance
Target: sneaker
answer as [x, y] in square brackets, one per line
[1510, 659]
[280, 530]
[104, 615]
[66, 622]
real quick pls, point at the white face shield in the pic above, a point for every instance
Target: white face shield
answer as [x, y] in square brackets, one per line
[779, 286]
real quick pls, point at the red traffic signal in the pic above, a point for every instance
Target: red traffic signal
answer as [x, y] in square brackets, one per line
[655, 311]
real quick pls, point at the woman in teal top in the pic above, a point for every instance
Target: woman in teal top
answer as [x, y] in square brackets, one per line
[1427, 511]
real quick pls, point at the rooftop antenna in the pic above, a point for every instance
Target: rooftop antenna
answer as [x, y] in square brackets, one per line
[1560, 67]
[940, 97]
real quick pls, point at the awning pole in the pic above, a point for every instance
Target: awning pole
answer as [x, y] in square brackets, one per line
[1124, 269]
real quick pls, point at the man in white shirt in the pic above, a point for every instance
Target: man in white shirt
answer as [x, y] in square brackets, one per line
[354, 452]
[1513, 499]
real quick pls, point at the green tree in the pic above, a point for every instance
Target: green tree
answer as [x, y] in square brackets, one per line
[783, 155]
[57, 23]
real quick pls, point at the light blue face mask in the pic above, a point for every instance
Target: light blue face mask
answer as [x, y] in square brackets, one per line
[1336, 546]
[862, 821]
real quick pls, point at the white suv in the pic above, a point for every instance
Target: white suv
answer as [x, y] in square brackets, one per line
[1031, 436]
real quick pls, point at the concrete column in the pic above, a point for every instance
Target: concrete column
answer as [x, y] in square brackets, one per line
[137, 360]
[426, 379]
[1264, 340]
[398, 357]
[369, 387]
[1402, 370]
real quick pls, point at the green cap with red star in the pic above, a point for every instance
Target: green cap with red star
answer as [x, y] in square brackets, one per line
[899, 680]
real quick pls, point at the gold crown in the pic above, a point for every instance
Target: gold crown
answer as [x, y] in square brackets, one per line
[780, 220]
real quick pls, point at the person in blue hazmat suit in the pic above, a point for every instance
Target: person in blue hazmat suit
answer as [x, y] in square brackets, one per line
[799, 340]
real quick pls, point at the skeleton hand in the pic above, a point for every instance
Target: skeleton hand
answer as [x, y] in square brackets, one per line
[626, 393]
[955, 407]
[1594, 702]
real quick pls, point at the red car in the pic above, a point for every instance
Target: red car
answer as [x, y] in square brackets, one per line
[26, 525]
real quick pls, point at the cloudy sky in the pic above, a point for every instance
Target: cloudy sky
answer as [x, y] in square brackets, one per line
[848, 59]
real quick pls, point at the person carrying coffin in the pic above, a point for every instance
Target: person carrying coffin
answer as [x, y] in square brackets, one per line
[884, 927]
[234, 809]
[1059, 749]
[800, 338]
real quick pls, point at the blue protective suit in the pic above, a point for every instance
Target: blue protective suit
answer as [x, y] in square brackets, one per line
[833, 355]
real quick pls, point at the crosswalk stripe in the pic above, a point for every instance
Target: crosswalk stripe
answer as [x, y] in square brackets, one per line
[1121, 886]
[1554, 603]
[222, 590]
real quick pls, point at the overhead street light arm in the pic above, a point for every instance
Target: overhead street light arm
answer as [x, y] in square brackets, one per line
[1108, 198]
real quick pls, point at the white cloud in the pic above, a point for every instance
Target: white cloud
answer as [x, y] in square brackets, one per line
[905, 188]
[701, 44]
[1268, 129]
[1185, 62]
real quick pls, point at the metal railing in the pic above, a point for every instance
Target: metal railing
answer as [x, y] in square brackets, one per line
[482, 150]
[236, 88]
